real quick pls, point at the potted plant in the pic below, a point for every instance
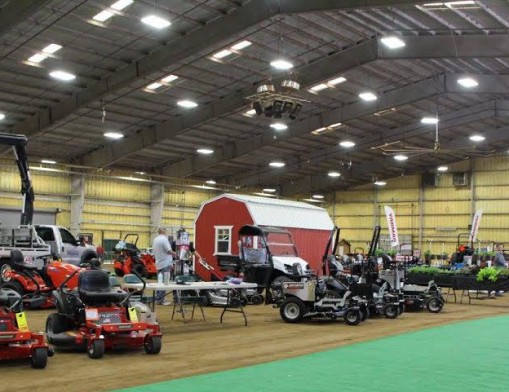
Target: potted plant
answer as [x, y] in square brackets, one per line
[427, 256]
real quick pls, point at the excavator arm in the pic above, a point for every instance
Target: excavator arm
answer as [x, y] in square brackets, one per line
[18, 143]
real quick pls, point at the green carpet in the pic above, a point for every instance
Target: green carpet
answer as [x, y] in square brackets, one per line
[463, 357]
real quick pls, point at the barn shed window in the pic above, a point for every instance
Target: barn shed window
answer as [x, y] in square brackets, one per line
[223, 240]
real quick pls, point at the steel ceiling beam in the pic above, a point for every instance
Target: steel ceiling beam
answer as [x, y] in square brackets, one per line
[471, 46]
[213, 33]
[365, 170]
[15, 12]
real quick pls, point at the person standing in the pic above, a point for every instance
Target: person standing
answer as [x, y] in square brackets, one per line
[499, 262]
[164, 259]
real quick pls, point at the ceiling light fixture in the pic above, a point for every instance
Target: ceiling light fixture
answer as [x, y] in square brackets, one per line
[210, 182]
[2, 116]
[336, 81]
[429, 120]
[400, 158]
[37, 58]
[187, 104]
[114, 135]
[140, 173]
[279, 126]
[380, 183]
[250, 113]
[477, 138]
[393, 42]
[48, 161]
[269, 190]
[205, 151]
[442, 168]
[103, 16]
[347, 143]
[62, 75]
[368, 96]
[222, 54]
[282, 64]
[468, 82]
[153, 86]
[318, 87]
[52, 48]
[317, 196]
[121, 4]
[277, 164]
[156, 21]
[241, 45]
[334, 174]
[169, 78]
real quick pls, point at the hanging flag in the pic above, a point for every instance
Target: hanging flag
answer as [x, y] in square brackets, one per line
[475, 226]
[391, 224]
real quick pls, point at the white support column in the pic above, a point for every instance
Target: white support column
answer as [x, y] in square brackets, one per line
[77, 202]
[156, 207]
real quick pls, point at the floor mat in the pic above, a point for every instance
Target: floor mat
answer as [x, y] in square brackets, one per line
[469, 356]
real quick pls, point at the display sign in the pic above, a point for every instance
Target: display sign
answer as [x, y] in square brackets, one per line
[475, 226]
[391, 225]
[133, 316]
[21, 320]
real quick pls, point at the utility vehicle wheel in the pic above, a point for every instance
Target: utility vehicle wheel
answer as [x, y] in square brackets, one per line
[16, 286]
[235, 302]
[119, 272]
[243, 301]
[434, 305]
[401, 308]
[153, 345]
[364, 313]
[257, 299]
[39, 358]
[55, 324]
[269, 291]
[140, 270]
[96, 349]
[292, 310]
[353, 317]
[391, 311]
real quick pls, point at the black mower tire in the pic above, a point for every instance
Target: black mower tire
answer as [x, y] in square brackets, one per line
[364, 313]
[119, 272]
[257, 299]
[353, 317]
[434, 305]
[140, 270]
[153, 345]
[292, 310]
[55, 324]
[39, 358]
[96, 349]
[14, 285]
[391, 311]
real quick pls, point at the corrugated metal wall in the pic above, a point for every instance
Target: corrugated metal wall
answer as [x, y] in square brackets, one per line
[433, 216]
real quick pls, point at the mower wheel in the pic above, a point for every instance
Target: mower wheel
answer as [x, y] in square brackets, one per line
[119, 272]
[364, 313]
[353, 317]
[153, 345]
[391, 311]
[292, 310]
[140, 270]
[13, 285]
[434, 305]
[257, 299]
[39, 358]
[96, 349]
[55, 324]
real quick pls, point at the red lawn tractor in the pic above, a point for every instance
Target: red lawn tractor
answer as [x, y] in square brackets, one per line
[96, 316]
[16, 340]
[128, 258]
[36, 287]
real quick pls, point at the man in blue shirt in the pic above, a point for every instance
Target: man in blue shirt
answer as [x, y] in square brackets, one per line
[164, 259]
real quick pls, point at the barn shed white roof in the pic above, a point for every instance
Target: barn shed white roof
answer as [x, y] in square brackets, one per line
[266, 211]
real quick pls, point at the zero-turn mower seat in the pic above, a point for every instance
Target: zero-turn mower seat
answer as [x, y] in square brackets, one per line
[94, 288]
[8, 297]
[17, 262]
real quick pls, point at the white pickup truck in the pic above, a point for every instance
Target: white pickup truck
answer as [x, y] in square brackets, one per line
[41, 241]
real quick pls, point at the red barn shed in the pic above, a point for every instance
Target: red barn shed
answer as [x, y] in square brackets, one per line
[220, 218]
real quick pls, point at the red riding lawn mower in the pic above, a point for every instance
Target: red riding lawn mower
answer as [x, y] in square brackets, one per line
[36, 287]
[128, 258]
[96, 316]
[16, 340]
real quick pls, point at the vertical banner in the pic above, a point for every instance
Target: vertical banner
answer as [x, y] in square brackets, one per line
[391, 224]
[475, 226]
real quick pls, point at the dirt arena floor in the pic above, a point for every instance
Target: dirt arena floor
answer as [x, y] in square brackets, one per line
[200, 347]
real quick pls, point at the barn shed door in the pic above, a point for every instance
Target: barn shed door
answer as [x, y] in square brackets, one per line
[11, 217]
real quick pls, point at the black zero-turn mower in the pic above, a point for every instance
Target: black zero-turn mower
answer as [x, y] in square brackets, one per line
[16, 339]
[96, 316]
[306, 296]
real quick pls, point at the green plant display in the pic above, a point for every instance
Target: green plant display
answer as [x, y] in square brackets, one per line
[491, 273]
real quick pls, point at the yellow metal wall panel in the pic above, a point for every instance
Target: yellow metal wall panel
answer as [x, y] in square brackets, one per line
[111, 189]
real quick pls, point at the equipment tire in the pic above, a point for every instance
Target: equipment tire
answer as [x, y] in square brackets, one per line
[119, 272]
[14, 285]
[140, 270]
[153, 345]
[434, 305]
[292, 310]
[96, 349]
[353, 317]
[56, 323]
[257, 299]
[39, 358]
[364, 313]
[391, 311]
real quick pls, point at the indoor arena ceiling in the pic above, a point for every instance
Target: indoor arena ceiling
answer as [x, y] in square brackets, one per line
[130, 75]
